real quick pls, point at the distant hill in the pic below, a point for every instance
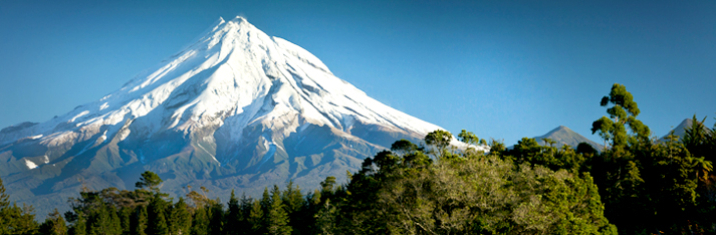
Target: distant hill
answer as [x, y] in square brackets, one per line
[565, 136]
[680, 130]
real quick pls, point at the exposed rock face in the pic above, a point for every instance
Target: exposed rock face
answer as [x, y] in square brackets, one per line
[238, 109]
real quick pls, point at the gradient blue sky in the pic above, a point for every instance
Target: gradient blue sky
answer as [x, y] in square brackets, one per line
[502, 69]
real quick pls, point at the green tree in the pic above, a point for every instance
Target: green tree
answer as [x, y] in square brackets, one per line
[216, 218]
[623, 113]
[200, 222]
[326, 219]
[149, 180]
[15, 219]
[54, 224]
[79, 227]
[277, 217]
[246, 204]
[139, 221]
[157, 223]
[403, 146]
[233, 216]
[440, 141]
[180, 218]
[103, 220]
[256, 218]
[4, 198]
[125, 217]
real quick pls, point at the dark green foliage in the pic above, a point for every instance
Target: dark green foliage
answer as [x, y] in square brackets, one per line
[649, 186]
[277, 221]
[4, 198]
[139, 221]
[233, 216]
[439, 140]
[79, 227]
[528, 150]
[180, 218]
[54, 224]
[15, 219]
[216, 218]
[125, 218]
[200, 222]
[157, 223]
[149, 180]
[296, 207]
[403, 146]
[256, 218]
[103, 220]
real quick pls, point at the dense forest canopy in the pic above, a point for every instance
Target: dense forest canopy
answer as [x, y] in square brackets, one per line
[636, 185]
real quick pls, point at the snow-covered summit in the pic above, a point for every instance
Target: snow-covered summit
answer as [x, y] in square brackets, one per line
[235, 70]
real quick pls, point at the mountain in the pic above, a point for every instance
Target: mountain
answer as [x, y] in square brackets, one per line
[565, 136]
[237, 109]
[680, 130]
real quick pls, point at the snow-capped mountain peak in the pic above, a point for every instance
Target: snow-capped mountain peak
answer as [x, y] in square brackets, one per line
[235, 108]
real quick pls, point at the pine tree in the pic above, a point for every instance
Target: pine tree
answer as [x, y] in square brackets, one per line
[180, 218]
[266, 200]
[277, 216]
[5, 218]
[245, 206]
[157, 221]
[4, 198]
[18, 220]
[80, 226]
[200, 222]
[292, 198]
[115, 224]
[326, 219]
[216, 218]
[294, 204]
[149, 180]
[125, 217]
[256, 218]
[233, 217]
[15, 219]
[138, 223]
[54, 224]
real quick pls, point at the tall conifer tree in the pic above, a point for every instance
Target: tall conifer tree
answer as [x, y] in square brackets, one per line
[157, 221]
[277, 216]
[54, 224]
[216, 222]
[139, 221]
[180, 218]
[200, 223]
[233, 217]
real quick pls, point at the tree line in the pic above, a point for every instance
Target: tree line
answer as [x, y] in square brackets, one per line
[635, 185]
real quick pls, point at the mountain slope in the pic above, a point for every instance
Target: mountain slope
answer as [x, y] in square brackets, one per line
[236, 109]
[565, 136]
[680, 130]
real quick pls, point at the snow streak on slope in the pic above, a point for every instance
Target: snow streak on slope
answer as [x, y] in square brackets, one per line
[235, 71]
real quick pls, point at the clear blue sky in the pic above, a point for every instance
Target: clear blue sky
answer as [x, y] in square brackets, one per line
[501, 69]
